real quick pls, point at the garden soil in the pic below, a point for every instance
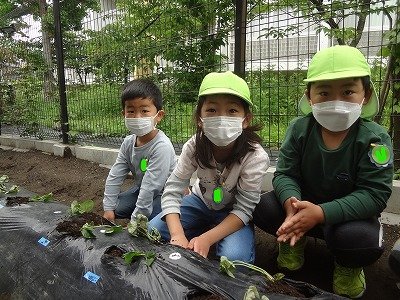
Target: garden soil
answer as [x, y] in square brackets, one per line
[74, 179]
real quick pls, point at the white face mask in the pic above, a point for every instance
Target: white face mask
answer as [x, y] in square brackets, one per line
[140, 126]
[222, 131]
[336, 115]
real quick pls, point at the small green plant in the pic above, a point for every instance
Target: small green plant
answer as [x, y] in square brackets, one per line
[13, 190]
[139, 226]
[228, 267]
[44, 198]
[4, 190]
[78, 208]
[396, 175]
[131, 256]
[87, 229]
[253, 294]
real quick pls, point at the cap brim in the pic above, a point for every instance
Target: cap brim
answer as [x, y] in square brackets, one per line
[212, 91]
[368, 111]
[338, 75]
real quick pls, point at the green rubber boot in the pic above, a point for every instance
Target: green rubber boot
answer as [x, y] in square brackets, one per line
[291, 258]
[349, 282]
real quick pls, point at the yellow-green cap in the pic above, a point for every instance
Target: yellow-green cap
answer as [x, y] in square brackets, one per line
[225, 83]
[340, 62]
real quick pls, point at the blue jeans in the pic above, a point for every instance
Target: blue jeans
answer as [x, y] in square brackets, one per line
[196, 219]
[127, 204]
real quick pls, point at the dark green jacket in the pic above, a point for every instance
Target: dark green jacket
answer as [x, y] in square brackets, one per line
[347, 183]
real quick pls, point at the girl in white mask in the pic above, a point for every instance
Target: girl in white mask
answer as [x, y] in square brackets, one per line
[230, 164]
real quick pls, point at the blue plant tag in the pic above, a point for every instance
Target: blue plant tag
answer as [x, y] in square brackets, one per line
[43, 241]
[1, 206]
[91, 277]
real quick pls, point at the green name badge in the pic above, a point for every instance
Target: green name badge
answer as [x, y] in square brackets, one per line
[218, 195]
[380, 155]
[143, 165]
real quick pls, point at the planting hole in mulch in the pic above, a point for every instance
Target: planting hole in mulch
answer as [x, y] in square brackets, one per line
[282, 287]
[114, 251]
[73, 225]
[14, 201]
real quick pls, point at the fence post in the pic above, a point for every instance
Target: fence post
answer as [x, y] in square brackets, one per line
[240, 38]
[60, 72]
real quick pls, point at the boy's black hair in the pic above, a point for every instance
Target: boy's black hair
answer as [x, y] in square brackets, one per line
[243, 144]
[365, 80]
[142, 88]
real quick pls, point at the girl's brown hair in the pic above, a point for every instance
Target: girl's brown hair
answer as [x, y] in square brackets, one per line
[243, 144]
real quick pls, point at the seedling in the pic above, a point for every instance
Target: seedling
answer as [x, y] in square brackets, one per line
[82, 207]
[253, 294]
[3, 179]
[87, 230]
[228, 267]
[396, 175]
[131, 256]
[13, 189]
[44, 198]
[139, 226]
[3, 188]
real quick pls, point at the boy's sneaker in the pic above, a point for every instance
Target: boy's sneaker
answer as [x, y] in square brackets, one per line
[348, 282]
[291, 258]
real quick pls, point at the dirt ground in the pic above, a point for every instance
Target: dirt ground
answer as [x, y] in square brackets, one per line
[74, 179]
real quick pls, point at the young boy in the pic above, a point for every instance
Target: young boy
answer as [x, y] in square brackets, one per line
[334, 172]
[147, 153]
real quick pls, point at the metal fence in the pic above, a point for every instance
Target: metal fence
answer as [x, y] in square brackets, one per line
[97, 46]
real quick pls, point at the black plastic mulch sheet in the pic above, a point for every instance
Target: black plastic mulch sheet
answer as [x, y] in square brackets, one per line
[37, 262]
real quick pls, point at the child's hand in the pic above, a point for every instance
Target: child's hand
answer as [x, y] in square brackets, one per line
[179, 240]
[200, 244]
[307, 216]
[290, 210]
[109, 215]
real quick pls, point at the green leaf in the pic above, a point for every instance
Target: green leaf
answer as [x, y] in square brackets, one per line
[154, 235]
[13, 190]
[86, 206]
[113, 229]
[227, 267]
[385, 51]
[142, 223]
[87, 230]
[251, 293]
[131, 256]
[4, 179]
[138, 227]
[150, 258]
[132, 228]
[74, 207]
[80, 208]
[278, 276]
[44, 198]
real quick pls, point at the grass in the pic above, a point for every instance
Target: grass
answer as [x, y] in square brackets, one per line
[96, 110]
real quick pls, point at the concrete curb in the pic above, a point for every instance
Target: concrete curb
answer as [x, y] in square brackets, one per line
[107, 156]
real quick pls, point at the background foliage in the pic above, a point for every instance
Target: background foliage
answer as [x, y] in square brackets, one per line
[174, 42]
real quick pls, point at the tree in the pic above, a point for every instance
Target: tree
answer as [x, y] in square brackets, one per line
[184, 34]
[73, 11]
[330, 18]
[393, 51]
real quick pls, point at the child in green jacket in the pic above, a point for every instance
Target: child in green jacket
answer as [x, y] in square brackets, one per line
[334, 172]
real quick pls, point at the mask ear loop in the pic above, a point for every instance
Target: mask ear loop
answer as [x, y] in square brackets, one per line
[154, 119]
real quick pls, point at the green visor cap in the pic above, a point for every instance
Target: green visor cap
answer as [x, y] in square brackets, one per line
[340, 62]
[225, 83]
